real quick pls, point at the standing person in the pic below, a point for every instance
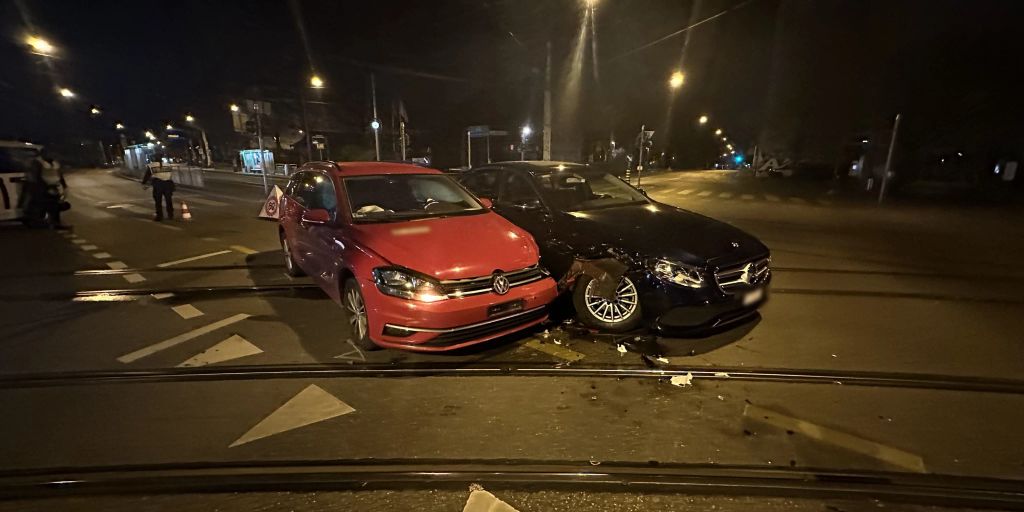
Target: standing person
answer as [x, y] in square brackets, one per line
[46, 188]
[163, 186]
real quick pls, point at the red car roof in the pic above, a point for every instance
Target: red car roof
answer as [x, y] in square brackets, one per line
[371, 168]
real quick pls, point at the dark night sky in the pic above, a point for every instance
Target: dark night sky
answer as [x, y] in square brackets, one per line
[808, 73]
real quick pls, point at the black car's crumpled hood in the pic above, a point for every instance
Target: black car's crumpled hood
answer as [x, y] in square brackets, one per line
[662, 231]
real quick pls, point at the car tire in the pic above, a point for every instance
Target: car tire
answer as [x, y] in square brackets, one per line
[355, 307]
[620, 315]
[290, 267]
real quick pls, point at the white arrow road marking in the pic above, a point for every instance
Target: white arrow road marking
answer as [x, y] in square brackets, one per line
[187, 311]
[888, 454]
[311, 405]
[181, 338]
[193, 258]
[232, 348]
[483, 501]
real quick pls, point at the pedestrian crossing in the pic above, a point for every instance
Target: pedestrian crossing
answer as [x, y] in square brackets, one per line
[765, 197]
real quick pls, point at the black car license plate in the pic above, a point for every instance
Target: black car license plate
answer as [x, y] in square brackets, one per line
[505, 308]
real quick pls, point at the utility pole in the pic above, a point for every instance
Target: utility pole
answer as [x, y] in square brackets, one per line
[305, 128]
[888, 159]
[469, 149]
[640, 159]
[256, 105]
[376, 131]
[401, 135]
[547, 106]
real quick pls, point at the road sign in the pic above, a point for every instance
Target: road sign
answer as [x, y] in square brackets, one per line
[478, 131]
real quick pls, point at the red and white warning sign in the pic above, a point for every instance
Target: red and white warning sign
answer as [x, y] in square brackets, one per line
[272, 207]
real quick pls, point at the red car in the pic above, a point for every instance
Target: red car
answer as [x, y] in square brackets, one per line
[417, 261]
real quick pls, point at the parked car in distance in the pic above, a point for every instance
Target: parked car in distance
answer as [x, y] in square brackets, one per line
[16, 159]
[416, 260]
[686, 272]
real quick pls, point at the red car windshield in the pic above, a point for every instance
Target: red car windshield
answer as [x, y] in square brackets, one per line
[385, 198]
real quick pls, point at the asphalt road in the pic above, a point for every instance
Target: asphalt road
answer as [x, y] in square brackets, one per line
[926, 297]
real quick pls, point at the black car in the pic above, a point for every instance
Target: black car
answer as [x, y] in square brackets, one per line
[686, 272]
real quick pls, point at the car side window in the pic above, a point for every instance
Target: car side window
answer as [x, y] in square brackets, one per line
[483, 183]
[322, 194]
[518, 190]
[293, 183]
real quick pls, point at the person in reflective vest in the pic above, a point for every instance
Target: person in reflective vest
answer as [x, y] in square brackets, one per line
[163, 186]
[45, 187]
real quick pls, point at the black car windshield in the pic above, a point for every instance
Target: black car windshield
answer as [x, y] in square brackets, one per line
[575, 191]
[407, 196]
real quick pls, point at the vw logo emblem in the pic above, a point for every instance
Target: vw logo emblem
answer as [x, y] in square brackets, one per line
[500, 284]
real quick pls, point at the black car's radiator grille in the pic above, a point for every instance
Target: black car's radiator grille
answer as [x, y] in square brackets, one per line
[742, 277]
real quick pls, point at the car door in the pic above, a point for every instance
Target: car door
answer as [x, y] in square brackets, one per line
[519, 201]
[323, 252]
[483, 183]
[292, 208]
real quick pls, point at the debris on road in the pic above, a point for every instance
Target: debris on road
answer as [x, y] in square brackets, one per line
[622, 349]
[662, 359]
[682, 380]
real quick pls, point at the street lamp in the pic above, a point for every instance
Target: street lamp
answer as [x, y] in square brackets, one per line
[149, 135]
[65, 92]
[40, 46]
[525, 133]
[316, 82]
[725, 139]
[94, 110]
[718, 131]
[169, 127]
[676, 80]
[189, 118]
[118, 126]
[234, 107]
[703, 120]
[375, 124]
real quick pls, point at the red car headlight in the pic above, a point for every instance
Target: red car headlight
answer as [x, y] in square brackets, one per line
[400, 282]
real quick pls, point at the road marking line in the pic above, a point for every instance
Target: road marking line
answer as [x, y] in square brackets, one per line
[160, 224]
[748, 197]
[204, 202]
[483, 501]
[355, 350]
[705, 193]
[78, 241]
[124, 205]
[117, 265]
[725, 195]
[193, 258]
[162, 295]
[181, 338]
[555, 350]
[101, 255]
[773, 198]
[685, 192]
[234, 347]
[134, 278]
[210, 239]
[311, 405]
[243, 249]
[884, 453]
[88, 247]
[797, 200]
[187, 311]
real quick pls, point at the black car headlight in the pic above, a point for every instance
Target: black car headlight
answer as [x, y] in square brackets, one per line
[677, 273]
[399, 282]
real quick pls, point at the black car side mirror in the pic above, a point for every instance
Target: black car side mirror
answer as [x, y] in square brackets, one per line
[644, 192]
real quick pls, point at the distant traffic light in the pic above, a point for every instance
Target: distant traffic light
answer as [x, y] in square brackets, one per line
[738, 159]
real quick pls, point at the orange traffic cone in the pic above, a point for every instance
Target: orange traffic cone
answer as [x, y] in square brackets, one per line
[185, 214]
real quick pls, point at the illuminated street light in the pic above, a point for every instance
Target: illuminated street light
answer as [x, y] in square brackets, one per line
[94, 110]
[375, 124]
[65, 92]
[728, 146]
[526, 132]
[39, 46]
[149, 135]
[119, 126]
[703, 120]
[169, 127]
[316, 82]
[676, 80]
[189, 118]
[718, 131]
[725, 139]
[233, 107]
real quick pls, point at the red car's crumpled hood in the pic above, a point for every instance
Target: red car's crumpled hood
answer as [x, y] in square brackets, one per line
[455, 247]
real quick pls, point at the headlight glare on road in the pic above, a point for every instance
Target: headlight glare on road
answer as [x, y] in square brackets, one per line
[677, 273]
[407, 285]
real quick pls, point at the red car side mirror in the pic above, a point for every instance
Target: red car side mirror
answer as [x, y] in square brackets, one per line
[318, 216]
[487, 203]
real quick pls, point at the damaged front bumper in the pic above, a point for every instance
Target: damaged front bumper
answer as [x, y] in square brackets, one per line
[674, 310]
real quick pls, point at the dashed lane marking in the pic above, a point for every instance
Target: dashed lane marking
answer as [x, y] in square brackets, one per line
[193, 258]
[78, 241]
[311, 405]
[210, 239]
[887, 454]
[159, 224]
[685, 192]
[234, 347]
[88, 247]
[725, 195]
[705, 193]
[162, 295]
[181, 338]
[101, 255]
[202, 201]
[797, 200]
[133, 278]
[773, 198]
[243, 249]
[555, 350]
[117, 265]
[187, 311]
[748, 197]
